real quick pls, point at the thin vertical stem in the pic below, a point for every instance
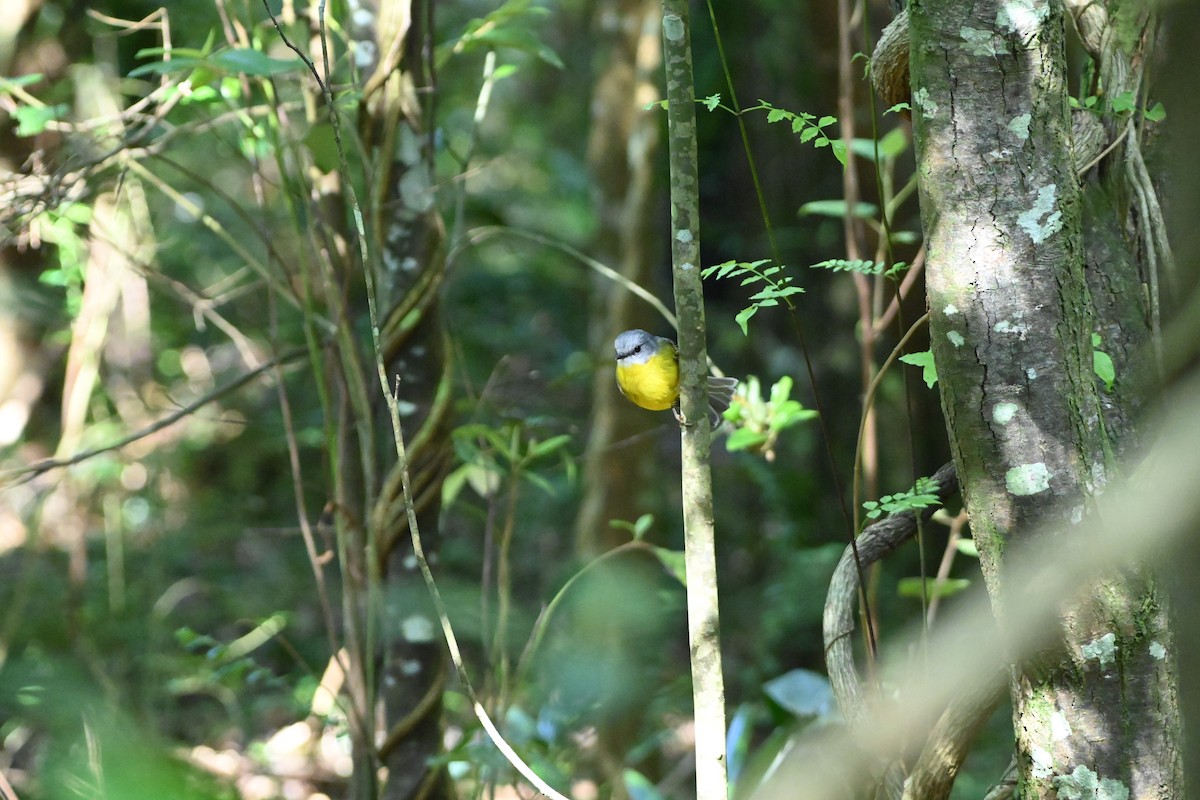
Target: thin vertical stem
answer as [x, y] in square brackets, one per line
[708, 689]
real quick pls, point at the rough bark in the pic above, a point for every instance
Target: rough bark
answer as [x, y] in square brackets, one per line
[1011, 321]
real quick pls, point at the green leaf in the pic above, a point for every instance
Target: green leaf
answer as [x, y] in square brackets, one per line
[712, 101]
[911, 587]
[967, 547]
[254, 63]
[837, 208]
[176, 52]
[905, 237]
[855, 265]
[789, 414]
[896, 109]
[745, 439]
[8, 84]
[826, 121]
[642, 526]
[1124, 103]
[924, 360]
[839, 151]
[499, 29]
[504, 71]
[1157, 113]
[743, 318]
[539, 481]
[782, 389]
[517, 39]
[321, 144]
[672, 561]
[893, 143]
[453, 484]
[178, 64]
[1102, 363]
[549, 446]
[777, 114]
[638, 528]
[32, 120]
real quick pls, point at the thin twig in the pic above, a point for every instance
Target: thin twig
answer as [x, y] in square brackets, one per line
[23, 475]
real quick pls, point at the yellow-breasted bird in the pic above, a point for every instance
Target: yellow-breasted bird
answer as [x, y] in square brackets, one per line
[648, 374]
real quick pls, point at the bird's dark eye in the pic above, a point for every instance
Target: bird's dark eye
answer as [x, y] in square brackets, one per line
[637, 349]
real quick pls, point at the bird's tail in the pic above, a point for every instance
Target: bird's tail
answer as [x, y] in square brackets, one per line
[720, 395]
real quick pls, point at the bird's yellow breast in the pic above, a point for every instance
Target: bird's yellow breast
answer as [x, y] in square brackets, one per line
[653, 385]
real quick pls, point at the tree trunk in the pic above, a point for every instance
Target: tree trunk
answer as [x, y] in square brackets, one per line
[407, 238]
[1012, 317]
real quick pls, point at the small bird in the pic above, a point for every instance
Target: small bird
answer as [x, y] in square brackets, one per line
[648, 374]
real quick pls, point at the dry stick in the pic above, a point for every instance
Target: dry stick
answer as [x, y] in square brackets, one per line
[708, 690]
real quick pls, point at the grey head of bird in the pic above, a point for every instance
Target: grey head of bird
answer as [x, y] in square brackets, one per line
[636, 346]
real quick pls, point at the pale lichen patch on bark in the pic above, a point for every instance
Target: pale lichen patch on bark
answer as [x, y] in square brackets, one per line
[1019, 126]
[1060, 727]
[1043, 762]
[1027, 479]
[1103, 649]
[1007, 326]
[978, 42]
[927, 104]
[1002, 413]
[1021, 17]
[1031, 221]
[1083, 783]
[955, 338]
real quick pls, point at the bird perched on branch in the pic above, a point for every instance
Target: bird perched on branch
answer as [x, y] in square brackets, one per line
[648, 374]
